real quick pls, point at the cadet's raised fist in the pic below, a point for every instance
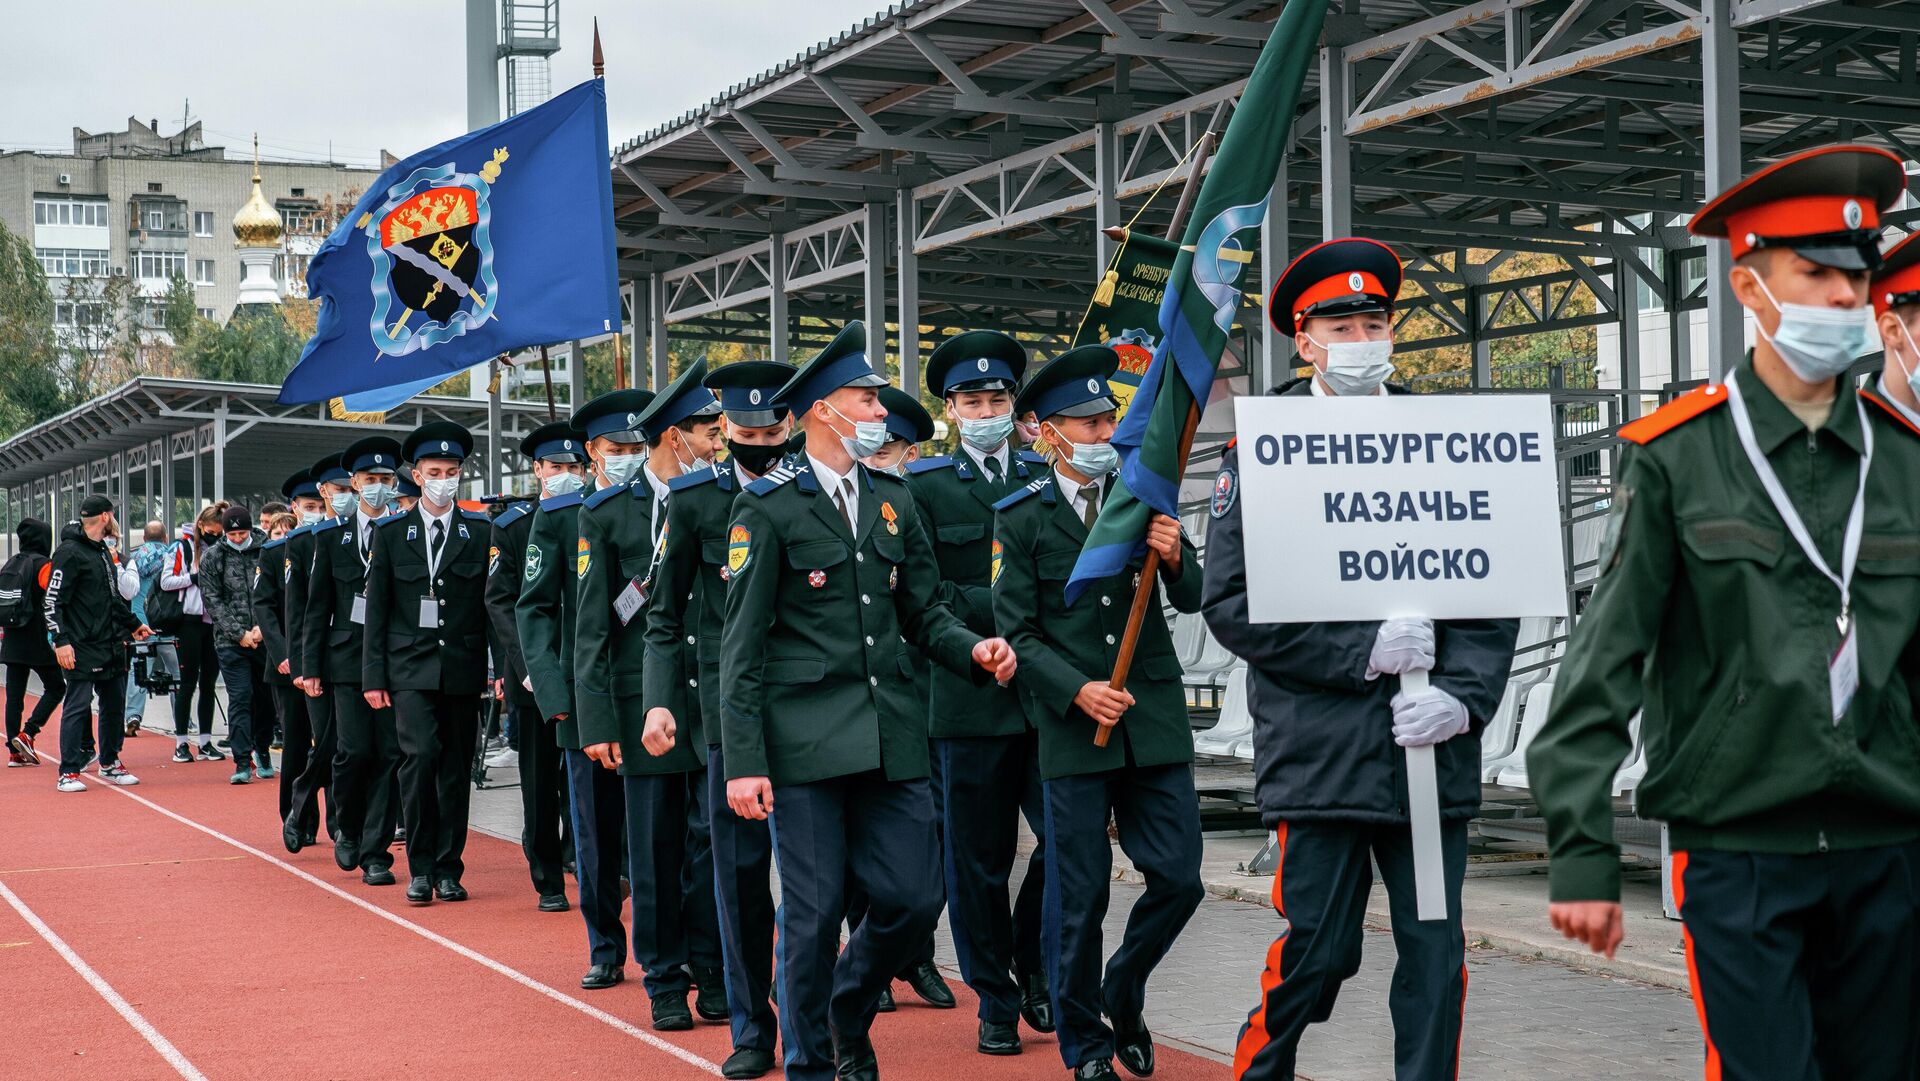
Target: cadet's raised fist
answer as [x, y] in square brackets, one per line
[996, 656]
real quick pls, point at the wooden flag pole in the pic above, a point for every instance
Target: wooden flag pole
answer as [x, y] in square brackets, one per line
[1143, 591]
[546, 374]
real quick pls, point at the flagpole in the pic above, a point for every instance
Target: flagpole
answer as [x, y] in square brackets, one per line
[546, 374]
[1143, 593]
[619, 350]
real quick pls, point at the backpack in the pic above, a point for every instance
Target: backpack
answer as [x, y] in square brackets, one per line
[16, 601]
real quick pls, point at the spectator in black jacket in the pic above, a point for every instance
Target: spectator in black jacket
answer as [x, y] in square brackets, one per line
[89, 623]
[25, 649]
[226, 586]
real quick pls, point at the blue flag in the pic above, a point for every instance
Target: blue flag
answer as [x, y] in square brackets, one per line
[1202, 299]
[494, 241]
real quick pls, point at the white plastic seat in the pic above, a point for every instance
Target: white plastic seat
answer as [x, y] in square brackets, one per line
[1634, 769]
[1503, 728]
[1232, 737]
[1189, 638]
[1532, 718]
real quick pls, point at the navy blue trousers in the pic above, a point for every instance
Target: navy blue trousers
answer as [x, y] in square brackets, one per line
[366, 752]
[743, 902]
[880, 833]
[670, 860]
[597, 804]
[990, 782]
[543, 781]
[1159, 819]
[1321, 891]
[437, 733]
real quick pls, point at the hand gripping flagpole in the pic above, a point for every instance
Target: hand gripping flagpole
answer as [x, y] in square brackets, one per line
[1143, 593]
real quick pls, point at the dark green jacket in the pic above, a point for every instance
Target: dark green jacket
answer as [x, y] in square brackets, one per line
[1709, 617]
[505, 555]
[815, 679]
[543, 611]
[616, 547]
[1063, 648]
[690, 603]
[956, 502]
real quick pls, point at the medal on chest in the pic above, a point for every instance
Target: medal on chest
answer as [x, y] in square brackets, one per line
[887, 512]
[816, 579]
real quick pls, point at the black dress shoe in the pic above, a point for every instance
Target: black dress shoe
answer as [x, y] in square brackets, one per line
[399, 835]
[932, 988]
[448, 889]
[999, 1038]
[670, 1013]
[601, 977]
[1133, 1046]
[346, 855]
[307, 839]
[885, 1005]
[856, 1060]
[378, 876]
[1036, 1004]
[554, 902]
[290, 834]
[1097, 1070]
[420, 892]
[710, 997]
[747, 1062]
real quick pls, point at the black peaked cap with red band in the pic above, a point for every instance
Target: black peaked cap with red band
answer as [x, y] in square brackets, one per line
[1337, 277]
[1898, 281]
[1823, 204]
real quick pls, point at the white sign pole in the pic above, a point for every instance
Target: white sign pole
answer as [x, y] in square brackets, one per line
[1423, 808]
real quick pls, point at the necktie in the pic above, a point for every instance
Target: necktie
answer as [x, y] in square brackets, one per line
[1089, 506]
[992, 465]
[436, 538]
[366, 542]
[844, 494]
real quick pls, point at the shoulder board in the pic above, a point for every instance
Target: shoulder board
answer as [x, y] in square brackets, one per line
[273, 544]
[391, 519]
[928, 465]
[562, 502]
[475, 515]
[331, 523]
[1023, 492]
[602, 495]
[1899, 416]
[780, 475]
[510, 515]
[1674, 414]
[300, 530]
[1033, 457]
[691, 480]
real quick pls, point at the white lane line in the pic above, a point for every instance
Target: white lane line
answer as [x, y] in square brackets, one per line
[105, 990]
[437, 939]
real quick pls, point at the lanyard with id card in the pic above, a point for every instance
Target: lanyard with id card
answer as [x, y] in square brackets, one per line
[359, 613]
[1843, 668]
[631, 600]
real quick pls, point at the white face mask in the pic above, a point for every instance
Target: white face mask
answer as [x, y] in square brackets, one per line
[1355, 369]
[1911, 362]
[867, 438]
[987, 433]
[1817, 344]
[440, 490]
[561, 484]
[621, 468]
[377, 495]
[313, 517]
[1090, 459]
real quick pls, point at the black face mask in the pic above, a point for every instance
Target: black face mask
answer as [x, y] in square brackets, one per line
[755, 457]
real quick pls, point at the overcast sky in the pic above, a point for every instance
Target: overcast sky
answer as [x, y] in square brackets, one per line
[363, 74]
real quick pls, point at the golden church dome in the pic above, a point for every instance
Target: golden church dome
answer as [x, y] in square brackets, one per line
[257, 225]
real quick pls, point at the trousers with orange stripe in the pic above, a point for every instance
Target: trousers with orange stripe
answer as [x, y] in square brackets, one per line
[1804, 967]
[1321, 889]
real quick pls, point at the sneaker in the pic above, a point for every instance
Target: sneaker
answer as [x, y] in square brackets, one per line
[117, 774]
[15, 759]
[70, 782]
[243, 775]
[93, 755]
[265, 771]
[181, 753]
[507, 759]
[22, 745]
[227, 743]
[208, 750]
[133, 727]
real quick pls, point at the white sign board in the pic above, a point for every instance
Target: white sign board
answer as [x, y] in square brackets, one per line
[1443, 506]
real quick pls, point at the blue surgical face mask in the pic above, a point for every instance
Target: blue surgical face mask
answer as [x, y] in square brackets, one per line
[622, 468]
[1817, 344]
[1090, 459]
[377, 494]
[312, 517]
[341, 502]
[241, 547]
[868, 435]
[987, 433]
[561, 484]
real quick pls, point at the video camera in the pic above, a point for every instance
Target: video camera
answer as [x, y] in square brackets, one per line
[156, 664]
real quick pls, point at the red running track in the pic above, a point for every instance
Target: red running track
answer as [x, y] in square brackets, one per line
[196, 947]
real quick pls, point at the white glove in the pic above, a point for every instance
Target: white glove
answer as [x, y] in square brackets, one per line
[1421, 718]
[1403, 645]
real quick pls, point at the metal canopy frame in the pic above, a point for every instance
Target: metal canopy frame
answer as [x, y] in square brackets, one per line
[949, 163]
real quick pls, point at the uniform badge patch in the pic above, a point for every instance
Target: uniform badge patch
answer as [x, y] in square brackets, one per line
[887, 512]
[1226, 488]
[816, 579]
[583, 559]
[739, 544]
[996, 563]
[532, 568]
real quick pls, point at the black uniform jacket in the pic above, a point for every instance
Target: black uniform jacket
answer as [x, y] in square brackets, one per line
[398, 653]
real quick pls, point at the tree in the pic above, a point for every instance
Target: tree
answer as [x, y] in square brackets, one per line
[256, 345]
[30, 356]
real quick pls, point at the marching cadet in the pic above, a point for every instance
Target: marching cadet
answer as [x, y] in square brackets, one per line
[333, 498]
[985, 749]
[1758, 604]
[693, 566]
[558, 454]
[669, 858]
[332, 636]
[270, 615]
[1896, 307]
[1329, 730]
[546, 618]
[908, 425]
[425, 654]
[406, 491]
[1143, 779]
[830, 569]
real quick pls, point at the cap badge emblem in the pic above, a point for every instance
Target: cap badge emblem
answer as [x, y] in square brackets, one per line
[753, 397]
[633, 420]
[983, 364]
[443, 445]
[1355, 282]
[1093, 386]
[1852, 214]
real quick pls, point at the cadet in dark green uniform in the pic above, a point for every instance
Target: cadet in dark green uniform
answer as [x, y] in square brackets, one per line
[668, 855]
[425, 654]
[544, 615]
[1143, 779]
[1758, 603]
[831, 568]
[1896, 308]
[683, 635]
[333, 487]
[558, 455]
[984, 747]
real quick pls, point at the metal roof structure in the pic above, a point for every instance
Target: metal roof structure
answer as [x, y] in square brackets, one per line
[948, 163]
[151, 442]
